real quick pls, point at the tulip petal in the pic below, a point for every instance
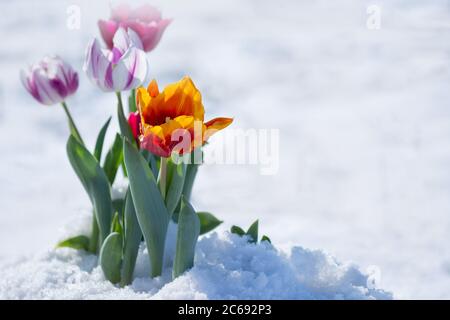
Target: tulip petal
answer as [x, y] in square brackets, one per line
[26, 77]
[96, 66]
[124, 39]
[130, 71]
[183, 98]
[107, 30]
[154, 144]
[214, 125]
[145, 13]
[45, 91]
[121, 12]
[153, 89]
[121, 40]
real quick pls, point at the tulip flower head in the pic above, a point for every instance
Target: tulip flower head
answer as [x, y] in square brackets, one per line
[124, 67]
[50, 81]
[146, 21]
[173, 120]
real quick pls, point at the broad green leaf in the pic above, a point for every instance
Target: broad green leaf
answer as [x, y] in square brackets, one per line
[266, 238]
[100, 140]
[188, 232]
[132, 101]
[207, 222]
[133, 236]
[111, 257]
[113, 159]
[253, 232]
[175, 182]
[94, 181]
[78, 243]
[151, 211]
[237, 230]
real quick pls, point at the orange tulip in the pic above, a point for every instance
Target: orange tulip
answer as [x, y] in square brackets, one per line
[173, 120]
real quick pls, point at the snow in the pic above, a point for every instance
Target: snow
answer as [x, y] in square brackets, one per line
[363, 118]
[226, 267]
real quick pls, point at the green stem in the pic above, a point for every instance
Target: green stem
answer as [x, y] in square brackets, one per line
[125, 129]
[132, 101]
[119, 101]
[72, 126]
[93, 241]
[163, 177]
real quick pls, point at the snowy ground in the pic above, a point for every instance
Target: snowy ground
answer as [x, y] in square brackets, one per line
[227, 267]
[363, 115]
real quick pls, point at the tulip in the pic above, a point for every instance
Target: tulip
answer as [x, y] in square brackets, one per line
[175, 113]
[123, 68]
[134, 121]
[50, 81]
[146, 21]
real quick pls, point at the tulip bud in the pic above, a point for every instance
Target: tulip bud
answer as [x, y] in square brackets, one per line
[50, 81]
[134, 121]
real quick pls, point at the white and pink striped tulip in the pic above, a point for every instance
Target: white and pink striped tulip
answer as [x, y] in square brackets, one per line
[122, 68]
[50, 81]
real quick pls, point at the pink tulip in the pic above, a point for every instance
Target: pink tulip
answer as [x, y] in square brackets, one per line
[146, 21]
[134, 120]
[50, 81]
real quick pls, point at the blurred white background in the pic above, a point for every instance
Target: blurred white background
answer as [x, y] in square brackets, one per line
[364, 120]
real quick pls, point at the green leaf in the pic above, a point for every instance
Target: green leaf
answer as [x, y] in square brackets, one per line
[207, 222]
[124, 168]
[113, 159]
[111, 257]
[191, 173]
[94, 181]
[237, 230]
[151, 211]
[116, 225]
[125, 129]
[94, 238]
[175, 183]
[188, 232]
[152, 161]
[100, 140]
[253, 232]
[132, 101]
[266, 238]
[133, 236]
[78, 243]
[73, 128]
[118, 206]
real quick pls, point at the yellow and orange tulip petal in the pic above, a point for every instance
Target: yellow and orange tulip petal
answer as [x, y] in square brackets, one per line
[173, 117]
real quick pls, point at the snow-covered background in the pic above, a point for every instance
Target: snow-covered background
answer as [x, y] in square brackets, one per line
[364, 120]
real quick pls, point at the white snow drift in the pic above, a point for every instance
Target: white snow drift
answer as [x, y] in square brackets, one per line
[226, 267]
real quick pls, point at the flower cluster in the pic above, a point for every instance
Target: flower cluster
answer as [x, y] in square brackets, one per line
[162, 128]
